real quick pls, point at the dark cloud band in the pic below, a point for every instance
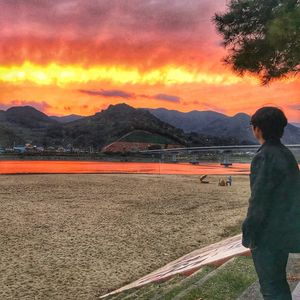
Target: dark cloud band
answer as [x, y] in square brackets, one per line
[166, 97]
[127, 95]
[108, 93]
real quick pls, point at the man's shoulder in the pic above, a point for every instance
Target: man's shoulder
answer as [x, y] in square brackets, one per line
[273, 150]
[267, 154]
[258, 157]
[264, 152]
[276, 151]
[277, 155]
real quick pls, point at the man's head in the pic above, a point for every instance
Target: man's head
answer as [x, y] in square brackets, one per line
[268, 122]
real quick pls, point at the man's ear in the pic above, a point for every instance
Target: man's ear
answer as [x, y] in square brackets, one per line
[259, 131]
[256, 129]
[256, 132]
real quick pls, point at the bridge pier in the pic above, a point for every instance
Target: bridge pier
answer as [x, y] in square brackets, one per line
[226, 162]
[194, 160]
[174, 157]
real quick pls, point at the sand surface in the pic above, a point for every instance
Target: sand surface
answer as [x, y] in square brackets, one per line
[80, 236]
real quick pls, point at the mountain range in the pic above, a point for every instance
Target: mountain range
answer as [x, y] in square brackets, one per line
[23, 124]
[217, 124]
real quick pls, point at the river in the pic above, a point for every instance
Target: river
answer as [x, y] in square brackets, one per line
[92, 167]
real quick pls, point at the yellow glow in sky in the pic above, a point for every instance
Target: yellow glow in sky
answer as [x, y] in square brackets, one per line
[62, 75]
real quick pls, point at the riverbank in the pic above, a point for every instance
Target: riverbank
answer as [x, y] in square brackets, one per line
[79, 236]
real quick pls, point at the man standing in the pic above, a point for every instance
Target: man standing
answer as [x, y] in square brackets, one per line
[272, 226]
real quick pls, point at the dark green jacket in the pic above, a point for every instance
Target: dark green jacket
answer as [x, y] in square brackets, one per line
[273, 217]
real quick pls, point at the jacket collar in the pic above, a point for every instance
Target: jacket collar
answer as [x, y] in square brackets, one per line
[270, 141]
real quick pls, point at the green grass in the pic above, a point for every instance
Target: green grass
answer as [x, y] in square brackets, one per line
[228, 283]
[175, 289]
[146, 137]
[164, 290]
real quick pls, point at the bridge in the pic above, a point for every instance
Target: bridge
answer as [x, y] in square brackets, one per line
[224, 150]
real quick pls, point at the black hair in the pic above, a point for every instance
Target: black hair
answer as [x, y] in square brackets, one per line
[271, 121]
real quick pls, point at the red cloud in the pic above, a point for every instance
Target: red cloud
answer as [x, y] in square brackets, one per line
[138, 33]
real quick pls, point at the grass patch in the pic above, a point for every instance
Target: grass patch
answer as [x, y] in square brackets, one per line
[146, 137]
[175, 289]
[163, 291]
[147, 291]
[228, 283]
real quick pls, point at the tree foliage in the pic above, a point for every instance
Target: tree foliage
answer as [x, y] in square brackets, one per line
[263, 37]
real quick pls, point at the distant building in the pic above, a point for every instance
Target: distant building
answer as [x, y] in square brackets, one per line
[40, 149]
[61, 149]
[50, 148]
[29, 146]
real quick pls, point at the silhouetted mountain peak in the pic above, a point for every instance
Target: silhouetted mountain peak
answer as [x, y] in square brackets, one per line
[27, 116]
[24, 109]
[241, 116]
[122, 107]
[117, 120]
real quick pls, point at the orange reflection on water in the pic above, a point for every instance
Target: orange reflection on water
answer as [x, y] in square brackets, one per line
[77, 167]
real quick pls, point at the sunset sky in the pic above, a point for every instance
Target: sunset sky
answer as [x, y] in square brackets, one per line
[72, 56]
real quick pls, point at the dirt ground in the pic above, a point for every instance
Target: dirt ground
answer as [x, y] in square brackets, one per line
[80, 236]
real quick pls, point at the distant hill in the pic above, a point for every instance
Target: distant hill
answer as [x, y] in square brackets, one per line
[9, 137]
[237, 126]
[28, 117]
[22, 124]
[66, 119]
[219, 125]
[26, 124]
[189, 121]
[117, 120]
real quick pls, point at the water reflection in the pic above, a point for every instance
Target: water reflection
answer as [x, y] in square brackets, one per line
[40, 167]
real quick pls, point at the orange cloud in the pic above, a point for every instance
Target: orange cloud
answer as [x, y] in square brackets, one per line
[228, 99]
[62, 75]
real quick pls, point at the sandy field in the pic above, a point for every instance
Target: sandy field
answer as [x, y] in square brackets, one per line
[80, 236]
